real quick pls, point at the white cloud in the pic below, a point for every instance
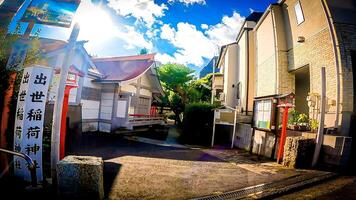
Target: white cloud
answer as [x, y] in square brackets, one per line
[97, 27]
[146, 11]
[165, 58]
[132, 38]
[188, 2]
[167, 32]
[194, 45]
[152, 33]
[204, 26]
[251, 10]
[226, 31]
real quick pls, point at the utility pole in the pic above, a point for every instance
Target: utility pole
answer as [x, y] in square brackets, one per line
[212, 82]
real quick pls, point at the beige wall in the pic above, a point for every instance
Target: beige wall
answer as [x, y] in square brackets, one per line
[242, 69]
[314, 20]
[316, 51]
[128, 88]
[145, 80]
[265, 57]
[218, 82]
[252, 71]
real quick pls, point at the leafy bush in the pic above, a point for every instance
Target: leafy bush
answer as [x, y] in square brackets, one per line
[302, 119]
[293, 117]
[314, 125]
[198, 123]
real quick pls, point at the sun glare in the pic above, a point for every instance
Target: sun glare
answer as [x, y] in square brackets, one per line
[95, 24]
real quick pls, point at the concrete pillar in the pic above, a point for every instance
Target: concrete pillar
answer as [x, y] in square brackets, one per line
[80, 177]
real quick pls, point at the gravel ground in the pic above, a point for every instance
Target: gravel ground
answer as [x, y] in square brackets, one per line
[135, 170]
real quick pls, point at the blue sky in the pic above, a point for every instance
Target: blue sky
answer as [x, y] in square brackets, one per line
[184, 31]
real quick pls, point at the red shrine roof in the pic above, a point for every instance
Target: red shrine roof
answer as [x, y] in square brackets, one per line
[123, 68]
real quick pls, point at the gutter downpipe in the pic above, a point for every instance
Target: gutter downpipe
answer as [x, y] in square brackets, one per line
[337, 64]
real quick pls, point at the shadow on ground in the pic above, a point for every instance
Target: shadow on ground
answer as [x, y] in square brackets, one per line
[113, 146]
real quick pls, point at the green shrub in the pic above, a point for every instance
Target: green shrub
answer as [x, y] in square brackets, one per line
[197, 123]
[314, 125]
[293, 117]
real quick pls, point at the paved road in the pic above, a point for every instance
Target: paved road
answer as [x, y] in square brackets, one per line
[343, 187]
[135, 170]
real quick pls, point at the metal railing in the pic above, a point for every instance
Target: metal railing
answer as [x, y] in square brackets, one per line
[31, 167]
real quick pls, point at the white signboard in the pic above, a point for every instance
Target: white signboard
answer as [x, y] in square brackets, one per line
[28, 132]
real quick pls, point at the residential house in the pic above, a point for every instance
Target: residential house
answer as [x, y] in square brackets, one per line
[294, 39]
[236, 64]
[288, 46]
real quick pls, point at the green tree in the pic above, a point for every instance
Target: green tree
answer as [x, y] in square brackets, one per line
[200, 89]
[143, 51]
[176, 80]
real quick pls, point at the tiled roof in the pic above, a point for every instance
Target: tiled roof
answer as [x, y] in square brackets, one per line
[123, 68]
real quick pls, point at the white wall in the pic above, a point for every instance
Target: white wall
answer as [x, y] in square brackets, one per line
[230, 75]
[106, 105]
[90, 109]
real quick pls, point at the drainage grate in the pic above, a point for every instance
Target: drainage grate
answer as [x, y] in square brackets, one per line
[273, 188]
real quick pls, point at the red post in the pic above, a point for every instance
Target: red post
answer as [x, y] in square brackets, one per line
[5, 119]
[64, 121]
[283, 134]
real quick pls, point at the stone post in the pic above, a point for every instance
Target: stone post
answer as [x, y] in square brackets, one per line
[80, 177]
[298, 152]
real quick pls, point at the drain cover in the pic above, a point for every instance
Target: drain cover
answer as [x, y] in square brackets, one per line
[268, 189]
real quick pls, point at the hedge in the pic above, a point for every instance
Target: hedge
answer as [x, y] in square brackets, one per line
[198, 123]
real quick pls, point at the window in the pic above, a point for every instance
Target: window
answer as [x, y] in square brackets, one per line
[299, 13]
[263, 113]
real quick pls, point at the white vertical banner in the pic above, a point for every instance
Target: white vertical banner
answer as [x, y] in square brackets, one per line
[28, 132]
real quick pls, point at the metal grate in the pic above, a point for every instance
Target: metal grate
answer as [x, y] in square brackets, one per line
[268, 189]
